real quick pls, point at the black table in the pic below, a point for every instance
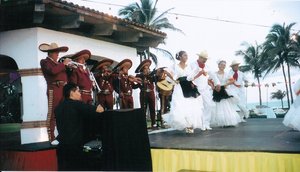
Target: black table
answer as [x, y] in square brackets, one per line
[125, 141]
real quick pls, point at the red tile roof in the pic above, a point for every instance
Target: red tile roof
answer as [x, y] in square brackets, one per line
[96, 12]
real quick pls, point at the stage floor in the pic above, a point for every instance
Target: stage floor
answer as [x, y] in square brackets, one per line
[256, 135]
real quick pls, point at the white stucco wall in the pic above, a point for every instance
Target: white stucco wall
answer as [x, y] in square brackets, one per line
[22, 46]
[98, 48]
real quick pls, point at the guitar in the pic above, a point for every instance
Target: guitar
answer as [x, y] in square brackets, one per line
[165, 87]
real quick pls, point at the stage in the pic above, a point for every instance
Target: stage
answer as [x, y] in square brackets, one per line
[260, 144]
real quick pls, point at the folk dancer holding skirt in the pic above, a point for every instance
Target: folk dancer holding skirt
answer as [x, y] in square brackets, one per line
[224, 114]
[186, 105]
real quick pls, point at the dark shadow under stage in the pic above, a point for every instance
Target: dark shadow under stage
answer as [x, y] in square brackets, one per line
[258, 145]
[261, 134]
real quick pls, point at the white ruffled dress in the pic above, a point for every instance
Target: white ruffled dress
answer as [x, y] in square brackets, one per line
[225, 113]
[184, 112]
[292, 117]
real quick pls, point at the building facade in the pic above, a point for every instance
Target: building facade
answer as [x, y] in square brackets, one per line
[25, 25]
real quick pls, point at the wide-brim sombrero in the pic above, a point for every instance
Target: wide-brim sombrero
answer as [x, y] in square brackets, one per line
[144, 63]
[234, 62]
[203, 54]
[100, 64]
[52, 48]
[86, 54]
[122, 64]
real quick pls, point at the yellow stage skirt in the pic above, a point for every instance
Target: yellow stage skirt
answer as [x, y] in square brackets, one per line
[172, 160]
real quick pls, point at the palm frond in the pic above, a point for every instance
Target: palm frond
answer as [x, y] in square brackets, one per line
[166, 53]
[162, 15]
[153, 57]
[145, 12]
[128, 10]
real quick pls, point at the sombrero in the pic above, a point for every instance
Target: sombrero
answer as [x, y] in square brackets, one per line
[203, 54]
[52, 48]
[234, 62]
[100, 64]
[86, 54]
[122, 64]
[144, 63]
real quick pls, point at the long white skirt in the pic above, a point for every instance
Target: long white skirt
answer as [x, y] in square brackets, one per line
[225, 114]
[184, 112]
[292, 117]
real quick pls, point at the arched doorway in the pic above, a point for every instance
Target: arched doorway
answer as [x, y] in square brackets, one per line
[10, 91]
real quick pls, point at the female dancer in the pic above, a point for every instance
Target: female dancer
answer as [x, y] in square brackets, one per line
[186, 105]
[224, 114]
[292, 118]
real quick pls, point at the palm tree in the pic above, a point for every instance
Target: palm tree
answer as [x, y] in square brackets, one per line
[252, 56]
[278, 95]
[282, 52]
[146, 13]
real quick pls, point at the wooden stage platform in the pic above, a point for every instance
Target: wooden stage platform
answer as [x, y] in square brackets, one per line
[258, 145]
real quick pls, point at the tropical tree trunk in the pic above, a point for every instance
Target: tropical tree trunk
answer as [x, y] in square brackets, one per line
[259, 91]
[281, 103]
[286, 86]
[290, 83]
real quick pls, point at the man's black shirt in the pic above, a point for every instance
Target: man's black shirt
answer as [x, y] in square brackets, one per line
[71, 116]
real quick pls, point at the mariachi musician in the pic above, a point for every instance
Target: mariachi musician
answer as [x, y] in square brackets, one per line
[165, 88]
[123, 83]
[81, 75]
[105, 83]
[56, 77]
[147, 94]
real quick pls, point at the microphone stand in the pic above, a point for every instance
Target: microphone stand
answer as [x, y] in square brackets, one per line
[118, 103]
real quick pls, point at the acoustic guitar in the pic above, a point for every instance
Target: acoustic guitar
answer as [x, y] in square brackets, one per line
[165, 87]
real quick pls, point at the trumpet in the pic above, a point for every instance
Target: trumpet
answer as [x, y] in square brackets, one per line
[72, 63]
[92, 77]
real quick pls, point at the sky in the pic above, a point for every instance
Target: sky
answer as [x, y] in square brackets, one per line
[218, 26]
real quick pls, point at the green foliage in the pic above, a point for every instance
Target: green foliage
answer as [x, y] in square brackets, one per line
[146, 13]
[279, 94]
[252, 55]
[280, 48]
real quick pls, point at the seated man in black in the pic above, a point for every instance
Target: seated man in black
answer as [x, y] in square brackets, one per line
[70, 117]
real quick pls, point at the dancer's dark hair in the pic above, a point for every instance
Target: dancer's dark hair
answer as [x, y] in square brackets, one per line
[179, 54]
